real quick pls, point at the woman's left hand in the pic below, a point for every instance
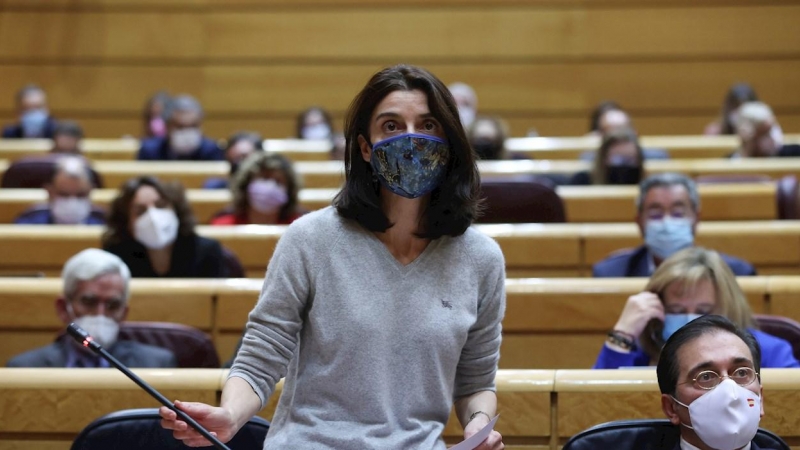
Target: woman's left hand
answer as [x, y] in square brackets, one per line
[493, 442]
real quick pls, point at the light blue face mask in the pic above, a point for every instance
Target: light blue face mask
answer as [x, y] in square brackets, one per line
[33, 122]
[666, 236]
[673, 322]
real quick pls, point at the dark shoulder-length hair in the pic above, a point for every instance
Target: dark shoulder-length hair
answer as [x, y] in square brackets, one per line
[454, 204]
[251, 168]
[117, 228]
[618, 136]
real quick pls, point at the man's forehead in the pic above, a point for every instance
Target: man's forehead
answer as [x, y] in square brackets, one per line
[720, 348]
[666, 194]
[110, 284]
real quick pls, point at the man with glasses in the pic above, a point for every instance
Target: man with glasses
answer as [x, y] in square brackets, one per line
[708, 374]
[668, 211]
[95, 298]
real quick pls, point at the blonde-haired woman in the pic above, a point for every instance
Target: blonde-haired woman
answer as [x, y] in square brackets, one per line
[691, 283]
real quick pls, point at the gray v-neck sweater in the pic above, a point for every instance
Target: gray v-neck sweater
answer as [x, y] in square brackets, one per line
[374, 352]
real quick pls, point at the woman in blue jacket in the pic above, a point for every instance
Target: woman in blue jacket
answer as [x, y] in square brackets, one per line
[687, 285]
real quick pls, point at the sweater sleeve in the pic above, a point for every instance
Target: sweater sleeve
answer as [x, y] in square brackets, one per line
[274, 325]
[477, 365]
[612, 359]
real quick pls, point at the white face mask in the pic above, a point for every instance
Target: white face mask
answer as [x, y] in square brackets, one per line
[726, 417]
[103, 329]
[317, 131]
[186, 140]
[70, 210]
[156, 228]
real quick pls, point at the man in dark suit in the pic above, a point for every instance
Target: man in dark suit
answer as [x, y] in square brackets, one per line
[668, 211]
[34, 117]
[68, 197]
[708, 374]
[95, 298]
[184, 140]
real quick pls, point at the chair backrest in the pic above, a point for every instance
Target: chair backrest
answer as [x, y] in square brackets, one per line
[647, 434]
[233, 267]
[135, 429]
[192, 347]
[782, 327]
[521, 200]
[35, 171]
[788, 198]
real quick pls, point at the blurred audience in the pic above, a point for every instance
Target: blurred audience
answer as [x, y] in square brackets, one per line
[619, 160]
[151, 227]
[607, 116]
[184, 140]
[667, 213]
[34, 116]
[153, 116]
[466, 101]
[737, 95]
[95, 297]
[238, 147]
[68, 197]
[67, 137]
[264, 191]
[487, 135]
[760, 134]
[314, 123]
[689, 284]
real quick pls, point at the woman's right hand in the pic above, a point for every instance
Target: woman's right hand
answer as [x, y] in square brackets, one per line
[639, 309]
[218, 421]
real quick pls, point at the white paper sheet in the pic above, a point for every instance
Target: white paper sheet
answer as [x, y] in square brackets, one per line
[476, 439]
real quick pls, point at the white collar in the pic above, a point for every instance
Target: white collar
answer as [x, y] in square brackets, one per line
[687, 446]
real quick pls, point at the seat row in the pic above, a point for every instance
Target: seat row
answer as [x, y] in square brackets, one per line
[44, 409]
[553, 148]
[541, 250]
[575, 313]
[583, 204]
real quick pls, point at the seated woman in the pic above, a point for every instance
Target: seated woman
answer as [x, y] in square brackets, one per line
[151, 228]
[687, 285]
[264, 192]
[619, 160]
[487, 135]
[238, 147]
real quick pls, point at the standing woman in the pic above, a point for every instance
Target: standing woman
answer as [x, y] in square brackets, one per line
[382, 310]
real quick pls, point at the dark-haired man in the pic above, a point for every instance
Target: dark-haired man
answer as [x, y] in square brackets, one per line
[34, 116]
[708, 374]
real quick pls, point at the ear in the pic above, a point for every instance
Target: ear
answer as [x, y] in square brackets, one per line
[62, 312]
[366, 152]
[668, 406]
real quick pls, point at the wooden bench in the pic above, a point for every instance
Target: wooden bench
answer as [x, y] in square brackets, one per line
[529, 249]
[44, 409]
[572, 313]
[737, 201]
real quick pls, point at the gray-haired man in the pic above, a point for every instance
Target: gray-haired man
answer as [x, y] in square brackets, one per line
[96, 298]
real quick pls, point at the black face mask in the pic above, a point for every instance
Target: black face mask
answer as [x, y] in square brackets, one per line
[487, 149]
[623, 174]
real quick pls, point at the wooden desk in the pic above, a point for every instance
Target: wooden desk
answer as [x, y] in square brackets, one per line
[540, 409]
[678, 147]
[529, 249]
[584, 204]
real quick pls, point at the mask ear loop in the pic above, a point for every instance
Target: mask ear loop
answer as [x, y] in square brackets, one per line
[687, 410]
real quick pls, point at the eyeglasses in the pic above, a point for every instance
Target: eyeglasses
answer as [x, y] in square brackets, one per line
[708, 379]
[112, 306]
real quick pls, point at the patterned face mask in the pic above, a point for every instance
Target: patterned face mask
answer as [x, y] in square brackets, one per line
[410, 165]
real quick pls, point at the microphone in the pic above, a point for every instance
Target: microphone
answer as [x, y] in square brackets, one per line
[85, 339]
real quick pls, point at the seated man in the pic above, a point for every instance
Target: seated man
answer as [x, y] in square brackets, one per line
[184, 140]
[668, 211]
[34, 117]
[68, 193]
[67, 137]
[96, 299]
[760, 134]
[708, 374]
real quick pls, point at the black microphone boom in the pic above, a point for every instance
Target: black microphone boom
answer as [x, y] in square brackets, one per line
[80, 335]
